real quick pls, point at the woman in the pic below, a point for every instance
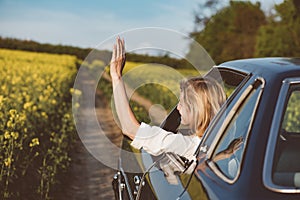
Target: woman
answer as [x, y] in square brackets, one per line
[200, 100]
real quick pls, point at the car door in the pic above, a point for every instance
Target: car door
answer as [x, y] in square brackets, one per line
[233, 123]
[282, 164]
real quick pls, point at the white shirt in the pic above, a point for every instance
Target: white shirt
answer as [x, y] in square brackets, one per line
[156, 140]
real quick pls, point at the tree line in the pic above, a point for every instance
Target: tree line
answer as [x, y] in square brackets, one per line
[84, 53]
[243, 30]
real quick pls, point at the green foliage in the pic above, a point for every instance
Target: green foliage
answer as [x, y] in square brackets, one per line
[230, 33]
[140, 112]
[281, 36]
[85, 53]
[28, 45]
[291, 121]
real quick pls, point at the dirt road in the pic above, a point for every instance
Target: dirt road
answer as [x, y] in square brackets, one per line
[88, 178]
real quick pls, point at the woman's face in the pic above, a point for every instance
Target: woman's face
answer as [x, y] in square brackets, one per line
[184, 111]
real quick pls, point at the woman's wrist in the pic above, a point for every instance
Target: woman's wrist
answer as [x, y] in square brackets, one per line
[116, 78]
[116, 81]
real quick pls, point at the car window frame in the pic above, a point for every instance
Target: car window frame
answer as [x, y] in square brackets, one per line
[227, 118]
[273, 135]
[207, 135]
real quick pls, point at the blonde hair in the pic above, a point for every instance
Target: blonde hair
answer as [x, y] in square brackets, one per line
[203, 98]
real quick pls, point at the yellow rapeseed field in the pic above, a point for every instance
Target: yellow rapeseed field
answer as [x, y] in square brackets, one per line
[36, 125]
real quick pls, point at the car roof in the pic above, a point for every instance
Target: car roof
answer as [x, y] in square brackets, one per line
[266, 67]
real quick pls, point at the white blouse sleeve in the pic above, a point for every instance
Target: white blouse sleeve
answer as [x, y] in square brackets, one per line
[156, 140]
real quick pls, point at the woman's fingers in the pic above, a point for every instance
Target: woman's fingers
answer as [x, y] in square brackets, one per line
[118, 47]
[118, 50]
[113, 57]
[123, 47]
[123, 52]
[118, 57]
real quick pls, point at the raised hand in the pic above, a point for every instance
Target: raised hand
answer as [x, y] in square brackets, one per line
[117, 62]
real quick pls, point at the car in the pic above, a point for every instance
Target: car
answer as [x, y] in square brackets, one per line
[262, 110]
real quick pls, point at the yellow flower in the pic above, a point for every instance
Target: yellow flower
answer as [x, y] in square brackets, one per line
[34, 142]
[15, 135]
[3, 87]
[53, 101]
[27, 105]
[44, 114]
[34, 108]
[9, 124]
[7, 162]
[67, 116]
[6, 135]
[22, 117]
[75, 91]
[12, 112]
[41, 98]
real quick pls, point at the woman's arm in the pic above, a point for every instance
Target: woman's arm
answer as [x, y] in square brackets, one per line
[129, 124]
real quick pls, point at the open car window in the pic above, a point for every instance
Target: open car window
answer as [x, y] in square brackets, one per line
[231, 80]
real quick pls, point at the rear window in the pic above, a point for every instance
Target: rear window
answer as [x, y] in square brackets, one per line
[286, 166]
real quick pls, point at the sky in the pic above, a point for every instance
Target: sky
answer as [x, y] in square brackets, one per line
[91, 23]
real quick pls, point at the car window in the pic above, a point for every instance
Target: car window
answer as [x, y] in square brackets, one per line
[228, 153]
[286, 165]
[232, 81]
[291, 120]
[228, 78]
